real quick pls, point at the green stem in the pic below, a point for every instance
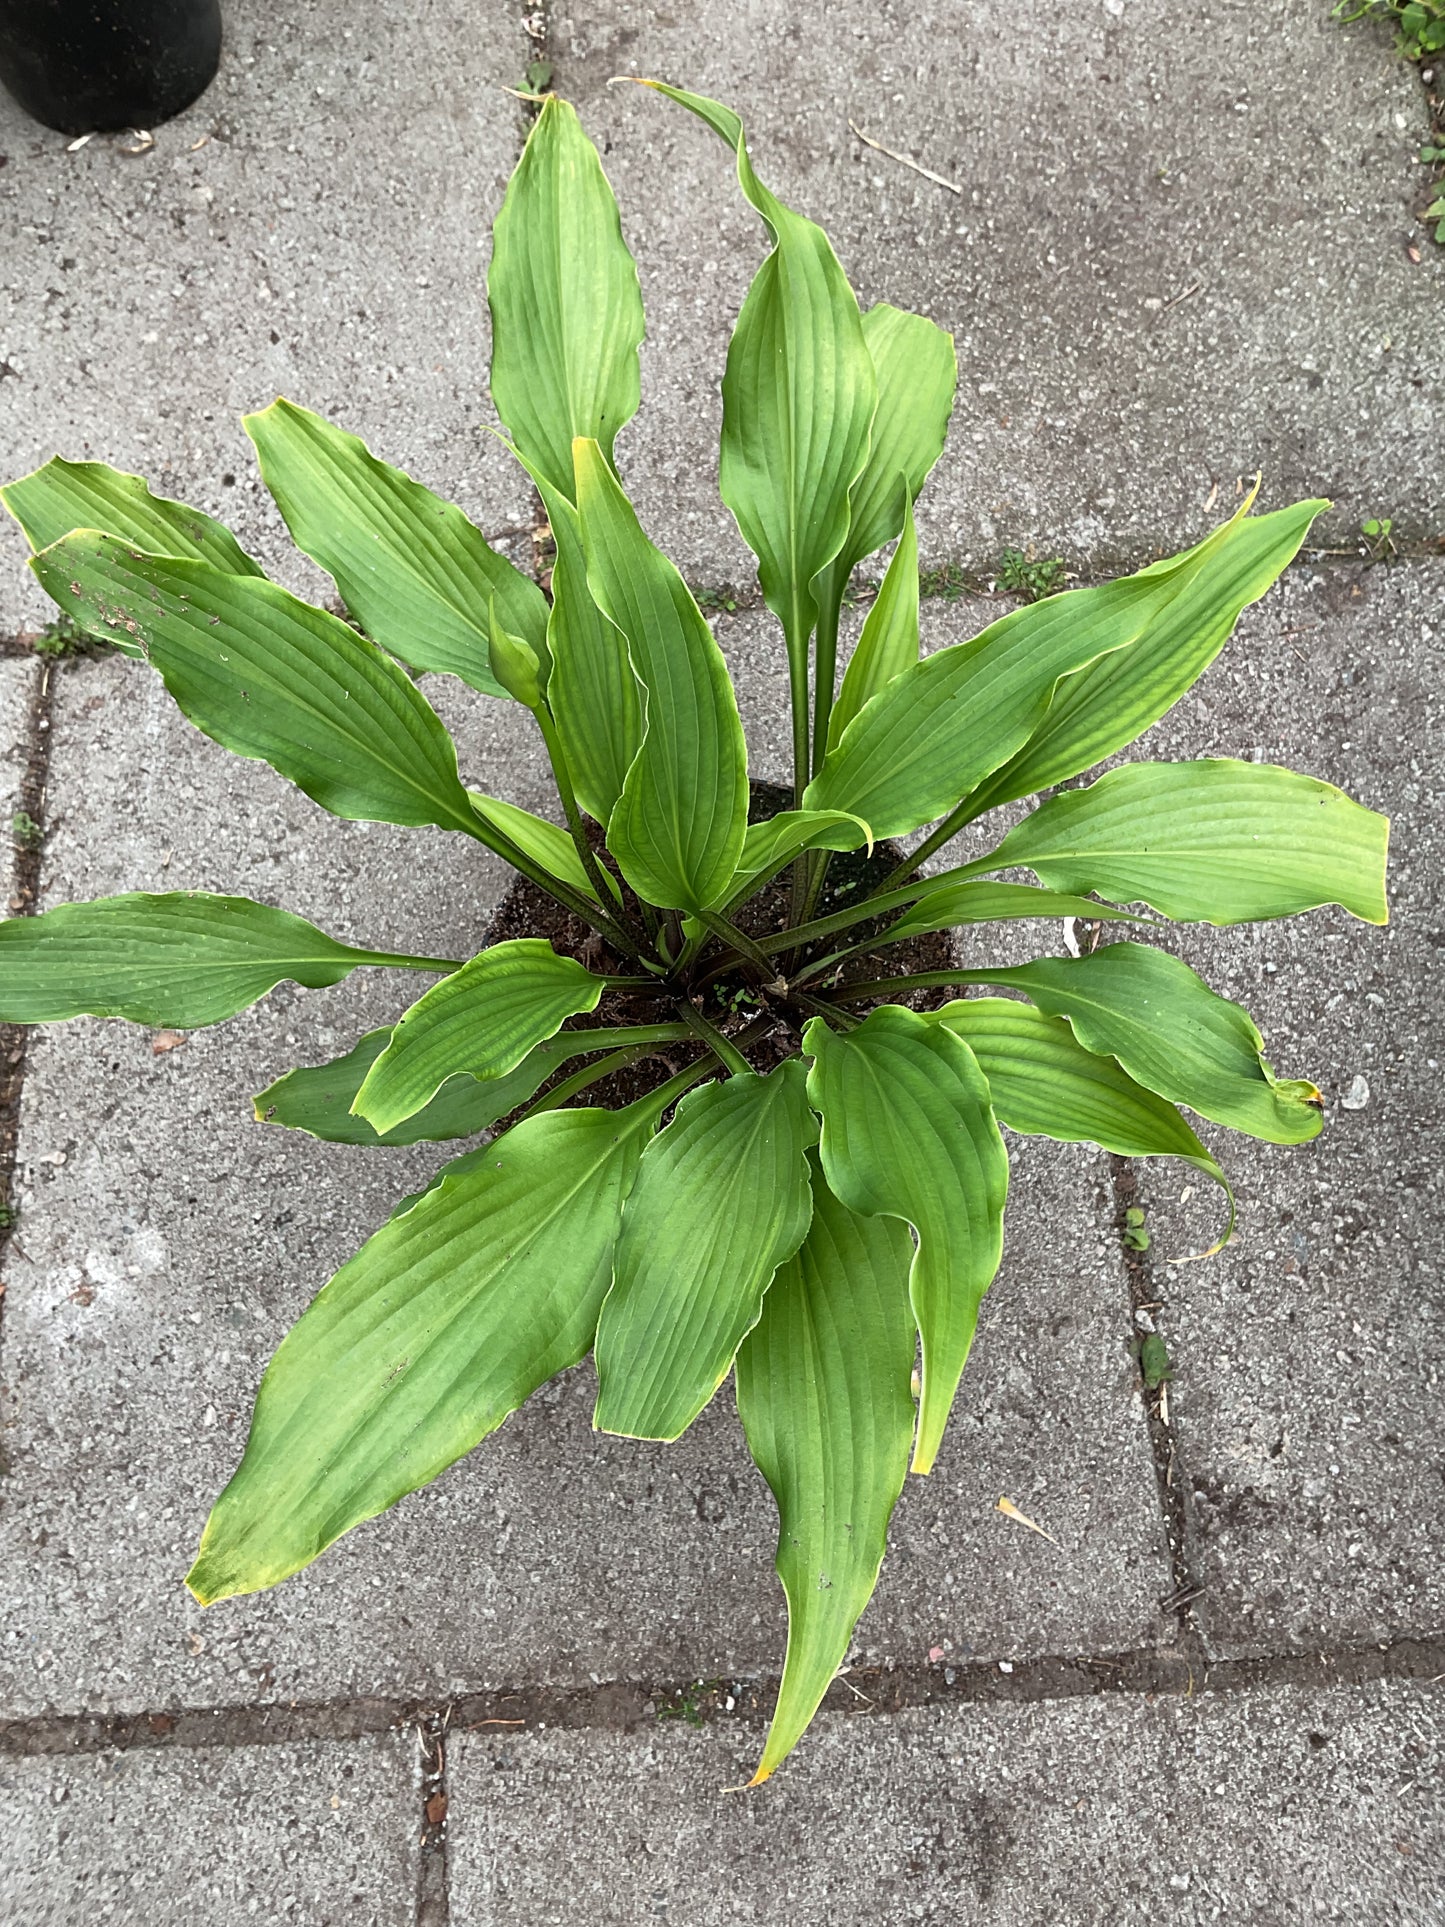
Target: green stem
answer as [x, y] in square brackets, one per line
[744, 946]
[957, 819]
[875, 906]
[398, 962]
[920, 980]
[563, 893]
[719, 1045]
[590, 1074]
[825, 669]
[796, 638]
[557, 757]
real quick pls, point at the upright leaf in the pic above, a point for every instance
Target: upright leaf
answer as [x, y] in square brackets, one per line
[889, 643]
[908, 1132]
[271, 678]
[823, 1393]
[595, 699]
[416, 574]
[1172, 1033]
[566, 308]
[545, 842]
[1105, 705]
[482, 1020]
[183, 960]
[1045, 1084]
[938, 729]
[677, 830]
[1219, 841]
[439, 1327]
[768, 846]
[799, 395]
[721, 1200]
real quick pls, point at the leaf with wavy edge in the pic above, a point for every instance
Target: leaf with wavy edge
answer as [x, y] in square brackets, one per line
[417, 575]
[271, 678]
[721, 1200]
[908, 1131]
[481, 1020]
[1215, 841]
[442, 1324]
[823, 1394]
[183, 960]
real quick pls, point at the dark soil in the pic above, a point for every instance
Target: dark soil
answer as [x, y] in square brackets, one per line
[527, 911]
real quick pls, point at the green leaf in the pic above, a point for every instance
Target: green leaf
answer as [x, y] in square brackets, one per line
[908, 1132]
[595, 700]
[182, 960]
[1216, 841]
[938, 729]
[566, 307]
[823, 1394]
[317, 1098]
[271, 678]
[721, 1200]
[482, 1020]
[889, 643]
[677, 831]
[917, 372]
[1107, 704]
[440, 1326]
[1045, 1084]
[544, 842]
[64, 496]
[799, 395]
[964, 903]
[416, 574]
[1172, 1033]
[767, 847]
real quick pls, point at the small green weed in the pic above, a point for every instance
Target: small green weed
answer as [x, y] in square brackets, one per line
[717, 602]
[688, 1704]
[1419, 24]
[1154, 1365]
[26, 831]
[1031, 581]
[1136, 1235]
[65, 637]
[1378, 535]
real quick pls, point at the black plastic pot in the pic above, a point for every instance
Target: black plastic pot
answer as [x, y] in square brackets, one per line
[86, 66]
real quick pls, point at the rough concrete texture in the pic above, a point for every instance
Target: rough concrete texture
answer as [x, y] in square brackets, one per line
[17, 692]
[1089, 1811]
[168, 1241]
[322, 1833]
[317, 225]
[1309, 1355]
[1179, 253]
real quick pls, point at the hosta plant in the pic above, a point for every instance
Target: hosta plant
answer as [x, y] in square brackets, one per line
[808, 1197]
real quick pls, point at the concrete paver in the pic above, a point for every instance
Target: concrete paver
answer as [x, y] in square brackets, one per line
[1309, 1355]
[167, 1242]
[1179, 254]
[1262, 1806]
[323, 1832]
[17, 692]
[316, 225]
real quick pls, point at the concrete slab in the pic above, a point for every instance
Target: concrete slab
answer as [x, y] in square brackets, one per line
[18, 677]
[1308, 1357]
[324, 1832]
[167, 1242]
[1259, 1806]
[317, 225]
[1179, 253]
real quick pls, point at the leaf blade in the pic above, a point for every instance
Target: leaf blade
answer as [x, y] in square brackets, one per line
[481, 1020]
[1217, 841]
[1172, 1034]
[444, 1322]
[823, 1394]
[677, 829]
[273, 679]
[981, 902]
[565, 303]
[412, 569]
[908, 1131]
[889, 643]
[181, 960]
[721, 1200]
